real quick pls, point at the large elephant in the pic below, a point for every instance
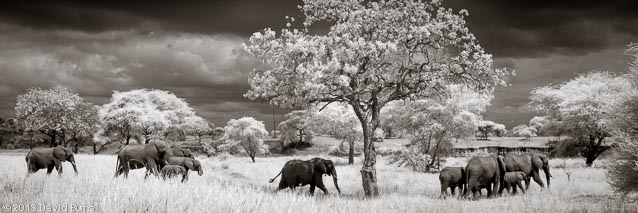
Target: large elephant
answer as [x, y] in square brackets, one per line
[188, 163]
[150, 155]
[452, 177]
[300, 173]
[41, 158]
[485, 172]
[529, 164]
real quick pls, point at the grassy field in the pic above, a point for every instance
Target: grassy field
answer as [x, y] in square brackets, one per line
[234, 184]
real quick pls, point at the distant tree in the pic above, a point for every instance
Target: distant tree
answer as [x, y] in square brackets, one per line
[54, 112]
[151, 113]
[249, 133]
[485, 128]
[197, 127]
[499, 130]
[583, 106]
[339, 121]
[373, 53]
[434, 123]
[524, 131]
[294, 130]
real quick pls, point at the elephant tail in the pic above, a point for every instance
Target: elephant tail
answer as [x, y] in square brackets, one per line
[273, 179]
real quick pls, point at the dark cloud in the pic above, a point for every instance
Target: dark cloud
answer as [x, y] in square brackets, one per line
[190, 48]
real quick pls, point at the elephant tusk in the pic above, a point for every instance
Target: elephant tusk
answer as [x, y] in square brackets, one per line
[72, 163]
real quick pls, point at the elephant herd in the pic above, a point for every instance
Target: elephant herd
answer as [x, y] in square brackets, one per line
[157, 158]
[495, 174]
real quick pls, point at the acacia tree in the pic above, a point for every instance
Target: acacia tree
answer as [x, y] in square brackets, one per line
[143, 112]
[53, 112]
[197, 126]
[339, 121]
[249, 133]
[583, 105]
[433, 123]
[373, 53]
[524, 131]
[295, 128]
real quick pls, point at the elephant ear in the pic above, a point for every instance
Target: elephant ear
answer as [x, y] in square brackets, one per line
[59, 153]
[321, 166]
[190, 164]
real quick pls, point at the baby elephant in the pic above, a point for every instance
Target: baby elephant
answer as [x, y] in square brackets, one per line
[171, 171]
[187, 163]
[512, 180]
[452, 177]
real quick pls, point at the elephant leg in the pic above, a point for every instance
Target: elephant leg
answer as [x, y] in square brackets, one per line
[527, 182]
[452, 189]
[127, 168]
[282, 184]
[322, 187]
[513, 186]
[312, 189]
[537, 179]
[50, 168]
[443, 189]
[520, 185]
[58, 166]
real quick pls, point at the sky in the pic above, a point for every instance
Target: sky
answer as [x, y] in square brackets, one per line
[193, 48]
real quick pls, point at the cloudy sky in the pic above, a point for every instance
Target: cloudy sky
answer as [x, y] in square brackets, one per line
[192, 47]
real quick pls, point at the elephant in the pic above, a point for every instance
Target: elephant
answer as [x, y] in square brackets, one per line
[41, 158]
[150, 155]
[485, 172]
[171, 171]
[452, 177]
[300, 173]
[187, 163]
[530, 165]
[180, 152]
[513, 180]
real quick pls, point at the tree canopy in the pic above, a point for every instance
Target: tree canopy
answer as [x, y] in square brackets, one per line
[372, 54]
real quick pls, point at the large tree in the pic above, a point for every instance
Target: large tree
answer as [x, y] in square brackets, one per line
[373, 53]
[583, 106]
[146, 112]
[55, 112]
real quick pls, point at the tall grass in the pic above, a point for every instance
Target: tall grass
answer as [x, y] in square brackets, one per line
[232, 184]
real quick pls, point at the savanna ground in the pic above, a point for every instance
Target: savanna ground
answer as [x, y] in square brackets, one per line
[234, 184]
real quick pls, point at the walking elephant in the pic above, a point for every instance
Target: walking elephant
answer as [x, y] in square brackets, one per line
[452, 177]
[170, 171]
[48, 158]
[300, 173]
[485, 172]
[150, 155]
[512, 180]
[529, 164]
[187, 163]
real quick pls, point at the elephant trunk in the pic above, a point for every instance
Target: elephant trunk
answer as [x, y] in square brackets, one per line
[72, 160]
[334, 179]
[200, 172]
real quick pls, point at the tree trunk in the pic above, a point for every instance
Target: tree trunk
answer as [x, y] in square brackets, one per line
[94, 148]
[593, 150]
[52, 135]
[351, 152]
[128, 139]
[252, 157]
[368, 170]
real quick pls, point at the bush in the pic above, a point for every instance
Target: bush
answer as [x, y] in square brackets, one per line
[419, 162]
[11, 146]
